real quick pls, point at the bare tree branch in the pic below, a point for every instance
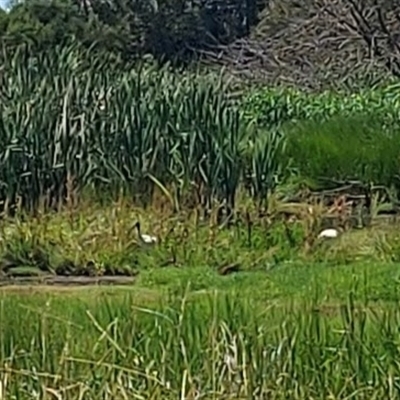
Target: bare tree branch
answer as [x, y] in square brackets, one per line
[321, 43]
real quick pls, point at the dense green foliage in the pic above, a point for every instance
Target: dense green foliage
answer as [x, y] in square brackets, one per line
[276, 106]
[99, 116]
[172, 30]
[68, 116]
[88, 117]
[351, 148]
[338, 136]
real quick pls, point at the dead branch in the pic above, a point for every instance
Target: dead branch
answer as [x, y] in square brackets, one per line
[323, 42]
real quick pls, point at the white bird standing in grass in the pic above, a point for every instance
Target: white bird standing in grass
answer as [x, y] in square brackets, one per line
[146, 239]
[330, 233]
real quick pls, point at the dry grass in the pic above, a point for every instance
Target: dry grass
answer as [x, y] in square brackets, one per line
[97, 239]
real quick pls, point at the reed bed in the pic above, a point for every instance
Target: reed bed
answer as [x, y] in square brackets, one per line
[219, 346]
[74, 121]
[70, 124]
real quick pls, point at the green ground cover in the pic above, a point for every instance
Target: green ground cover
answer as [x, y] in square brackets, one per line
[298, 332]
[238, 299]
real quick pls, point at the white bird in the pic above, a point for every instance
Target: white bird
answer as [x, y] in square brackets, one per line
[146, 239]
[330, 233]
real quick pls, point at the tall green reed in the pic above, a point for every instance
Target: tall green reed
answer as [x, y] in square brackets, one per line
[218, 346]
[65, 119]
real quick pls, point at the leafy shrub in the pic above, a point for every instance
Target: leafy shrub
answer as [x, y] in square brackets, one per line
[273, 107]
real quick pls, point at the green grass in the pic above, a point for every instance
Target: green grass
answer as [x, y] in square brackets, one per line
[301, 319]
[374, 282]
[99, 239]
[316, 125]
[292, 325]
[296, 332]
[370, 155]
[182, 133]
[295, 322]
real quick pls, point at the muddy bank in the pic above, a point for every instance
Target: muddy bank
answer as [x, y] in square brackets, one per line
[52, 280]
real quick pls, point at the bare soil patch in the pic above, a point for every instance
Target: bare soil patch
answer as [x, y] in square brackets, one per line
[67, 281]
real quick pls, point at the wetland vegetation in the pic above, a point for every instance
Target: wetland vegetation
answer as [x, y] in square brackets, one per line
[238, 297]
